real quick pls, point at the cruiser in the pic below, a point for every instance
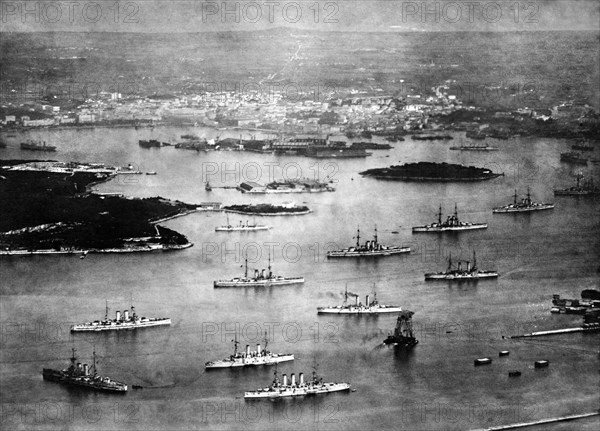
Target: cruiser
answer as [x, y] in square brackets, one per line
[475, 148]
[121, 321]
[372, 307]
[260, 279]
[403, 333]
[470, 273]
[37, 146]
[296, 389]
[250, 359]
[369, 249]
[452, 223]
[581, 189]
[525, 205]
[80, 375]
[241, 227]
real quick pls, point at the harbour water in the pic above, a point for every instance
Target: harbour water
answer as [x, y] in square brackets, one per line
[433, 386]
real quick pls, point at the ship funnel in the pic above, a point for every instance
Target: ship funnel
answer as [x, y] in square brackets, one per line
[357, 300]
[301, 379]
[293, 379]
[459, 266]
[256, 273]
[247, 349]
[367, 301]
[118, 315]
[86, 369]
[285, 380]
[263, 273]
[468, 266]
[126, 315]
[258, 349]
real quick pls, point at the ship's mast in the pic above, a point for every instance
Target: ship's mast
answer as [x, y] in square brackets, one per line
[73, 358]
[270, 273]
[266, 341]
[528, 197]
[455, 211]
[375, 235]
[246, 270]
[440, 216]
[106, 312]
[515, 197]
[474, 261]
[235, 345]
[358, 237]
[94, 361]
[449, 262]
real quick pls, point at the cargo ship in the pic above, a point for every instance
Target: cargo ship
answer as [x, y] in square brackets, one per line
[452, 223]
[573, 157]
[250, 359]
[37, 146]
[80, 375]
[403, 336]
[301, 388]
[430, 171]
[260, 279]
[470, 273]
[586, 188]
[121, 321]
[525, 205]
[373, 307]
[369, 249]
[241, 227]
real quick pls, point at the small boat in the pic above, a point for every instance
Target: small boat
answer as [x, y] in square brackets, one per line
[482, 361]
[541, 364]
[514, 373]
[208, 188]
[151, 173]
[504, 353]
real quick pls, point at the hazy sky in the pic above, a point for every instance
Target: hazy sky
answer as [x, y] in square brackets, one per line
[301, 15]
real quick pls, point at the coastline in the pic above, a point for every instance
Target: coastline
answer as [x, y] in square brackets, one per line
[157, 247]
[283, 213]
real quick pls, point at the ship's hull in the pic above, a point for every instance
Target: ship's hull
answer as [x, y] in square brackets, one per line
[576, 193]
[83, 382]
[522, 210]
[359, 310]
[474, 276]
[437, 229]
[374, 253]
[40, 148]
[399, 341]
[241, 229]
[250, 361]
[474, 148]
[90, 327]
[259, 283]
[298, 391]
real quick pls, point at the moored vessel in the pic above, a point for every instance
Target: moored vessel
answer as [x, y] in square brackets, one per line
[469, 273]
[121, 321]
[403, 336]
[250, 359]
[525, 205]
[280, 389]
[452, 223]
[241, 227]
[373, 307]
[586, 188]
[368, 249]
[260, 279]
[80, 375]
[37, 146]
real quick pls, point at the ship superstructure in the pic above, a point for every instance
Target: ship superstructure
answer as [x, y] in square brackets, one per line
[80, 375]
[250, 359]
[368, 249]
[470, 272]
[525, 205]
[452, 223]
[373, 307]
[280, 389]
[126, 320]
[241, 227]
[262, 278]
[403, 336]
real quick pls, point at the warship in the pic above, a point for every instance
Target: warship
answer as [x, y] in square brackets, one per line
[280, 389]
[452, 223]
[475, 148]
[369, 249]
[525, 205]
[573, 157]
[248, 358]
[37, 146]
[260, 279]
[372, 307]
[586, 188]
[470, 273]
[241, 227]
[80, 375]
[403, 333]
[121, 321]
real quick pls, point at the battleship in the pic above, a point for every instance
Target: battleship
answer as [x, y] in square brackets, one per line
[475, 148]
[280, 389]
[80, 375]
[470, 273]
[373, 307]
[121, 321]
[586, 188]
[525, 205]
[250, 359]
[403, 336]
[260, 279]
[37, 146]
[369, 249]
[452, 223]
[241, 227]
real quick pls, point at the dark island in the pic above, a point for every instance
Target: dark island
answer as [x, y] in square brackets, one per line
[429, 171]
[48, 209]
[268, 209]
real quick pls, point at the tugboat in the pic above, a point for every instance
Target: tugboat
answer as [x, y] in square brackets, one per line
[403, 336]
[573, 157]
[260, 279]
[250, 359]
[79, 375]
[452, 223]
[525, 205]
[369, 249]
[372, 307]
[241, 227]
[296, 389]
[121, 321]
[471, 273]
[37, 146]
[586, 189]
